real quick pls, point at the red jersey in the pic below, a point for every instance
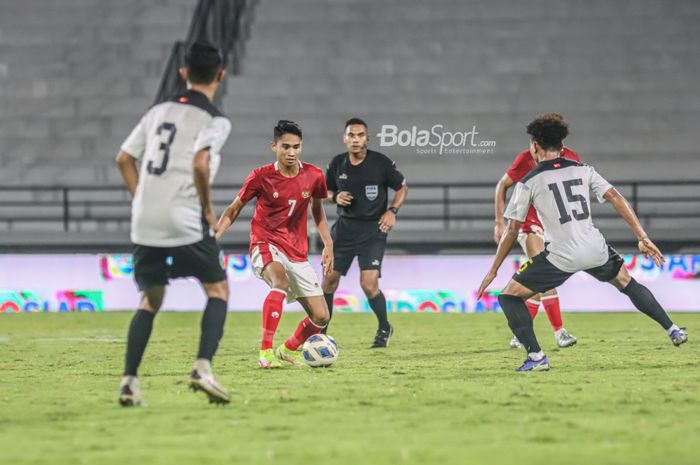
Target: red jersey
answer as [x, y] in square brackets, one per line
[281, 212]
[523, 164]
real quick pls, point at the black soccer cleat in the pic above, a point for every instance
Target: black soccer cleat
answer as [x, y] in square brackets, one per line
[381, 339]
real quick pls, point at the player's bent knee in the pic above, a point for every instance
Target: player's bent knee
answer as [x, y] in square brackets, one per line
[328, 288]
[621, 281]
[551, 292]
[217, 290]
[370, 291]
[515, 289]
[281, 283]
[151, 303]
[322, 319]
[330, 284]
[370, 286]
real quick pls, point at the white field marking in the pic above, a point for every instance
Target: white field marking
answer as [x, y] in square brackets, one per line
[80, 339]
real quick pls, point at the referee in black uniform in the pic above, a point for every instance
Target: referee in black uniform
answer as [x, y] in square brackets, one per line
[357, 182]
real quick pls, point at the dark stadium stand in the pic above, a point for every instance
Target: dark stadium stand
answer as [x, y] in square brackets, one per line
[76, 75]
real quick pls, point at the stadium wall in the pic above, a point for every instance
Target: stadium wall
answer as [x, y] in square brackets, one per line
[104, 282]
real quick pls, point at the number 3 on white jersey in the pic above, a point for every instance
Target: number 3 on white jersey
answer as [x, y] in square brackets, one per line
[293, 204]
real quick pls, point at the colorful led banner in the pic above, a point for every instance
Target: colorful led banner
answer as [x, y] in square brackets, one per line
[422, 284]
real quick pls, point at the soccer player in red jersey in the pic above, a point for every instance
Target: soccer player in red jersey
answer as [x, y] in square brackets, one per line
[279, 242]
[531, 239]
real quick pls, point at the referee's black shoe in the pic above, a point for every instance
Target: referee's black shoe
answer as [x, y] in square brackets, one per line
[381, 339]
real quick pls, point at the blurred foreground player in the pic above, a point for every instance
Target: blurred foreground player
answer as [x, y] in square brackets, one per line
[559, 190]
[279, 242]
[178, 145]
[358, 181]
[531, 240]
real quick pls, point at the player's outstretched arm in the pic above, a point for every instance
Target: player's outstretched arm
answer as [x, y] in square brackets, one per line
[201, 183]
[502, 187]
[129, 171]
[324, 231]
[504, 245]
[228, 217]
[646, 246]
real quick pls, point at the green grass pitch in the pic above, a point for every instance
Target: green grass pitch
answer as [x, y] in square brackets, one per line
[443, 393]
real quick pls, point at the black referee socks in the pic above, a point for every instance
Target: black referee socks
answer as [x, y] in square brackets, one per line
[213, 321]
[519, 321]
[329, 303]
[137, 339]
[378, 306]
[644, 300]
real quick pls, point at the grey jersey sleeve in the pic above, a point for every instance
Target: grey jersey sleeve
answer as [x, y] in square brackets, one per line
[519, 203]
[135, 144]
[213, 136]
[598, 184]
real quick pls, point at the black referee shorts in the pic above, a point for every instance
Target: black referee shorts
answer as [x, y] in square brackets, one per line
[203, 260]
[539, 275]
[361, 238]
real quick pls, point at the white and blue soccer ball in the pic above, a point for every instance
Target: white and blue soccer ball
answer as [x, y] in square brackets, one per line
[320, 350]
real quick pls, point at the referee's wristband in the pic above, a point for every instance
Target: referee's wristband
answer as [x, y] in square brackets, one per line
[393, 210]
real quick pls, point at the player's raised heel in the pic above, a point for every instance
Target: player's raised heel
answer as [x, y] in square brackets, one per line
[564, 338]
[293, 357]
[268, 359]
[130, 393]
[206, 383]
[535, 365]
[678, 336]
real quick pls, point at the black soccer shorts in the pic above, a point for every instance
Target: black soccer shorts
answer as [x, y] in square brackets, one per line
[539, 275]
[202, 260]
[358, 238]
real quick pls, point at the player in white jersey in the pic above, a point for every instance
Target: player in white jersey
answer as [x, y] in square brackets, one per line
[559, 190]
[177, 144]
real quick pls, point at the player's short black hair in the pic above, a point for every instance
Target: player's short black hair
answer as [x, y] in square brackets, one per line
[285, 126]
[203, 62]
[352, 121]
[549, 130]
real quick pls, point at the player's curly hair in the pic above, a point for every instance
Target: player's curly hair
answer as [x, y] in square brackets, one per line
[549, 130]
[285, 126]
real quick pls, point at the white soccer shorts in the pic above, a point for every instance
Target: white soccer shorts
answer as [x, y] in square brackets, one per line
[303, 281]
[522, 236]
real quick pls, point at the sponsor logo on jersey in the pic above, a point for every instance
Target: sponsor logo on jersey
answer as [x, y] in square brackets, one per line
[372, 192]
[375, 262]
[275, 195]
[275, 315]
[343, 176]
[305, 194]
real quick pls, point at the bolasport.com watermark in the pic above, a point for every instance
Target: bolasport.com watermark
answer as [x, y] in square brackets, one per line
[436, 140]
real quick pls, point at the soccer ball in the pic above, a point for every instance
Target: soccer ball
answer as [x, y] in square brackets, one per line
[320, 350]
